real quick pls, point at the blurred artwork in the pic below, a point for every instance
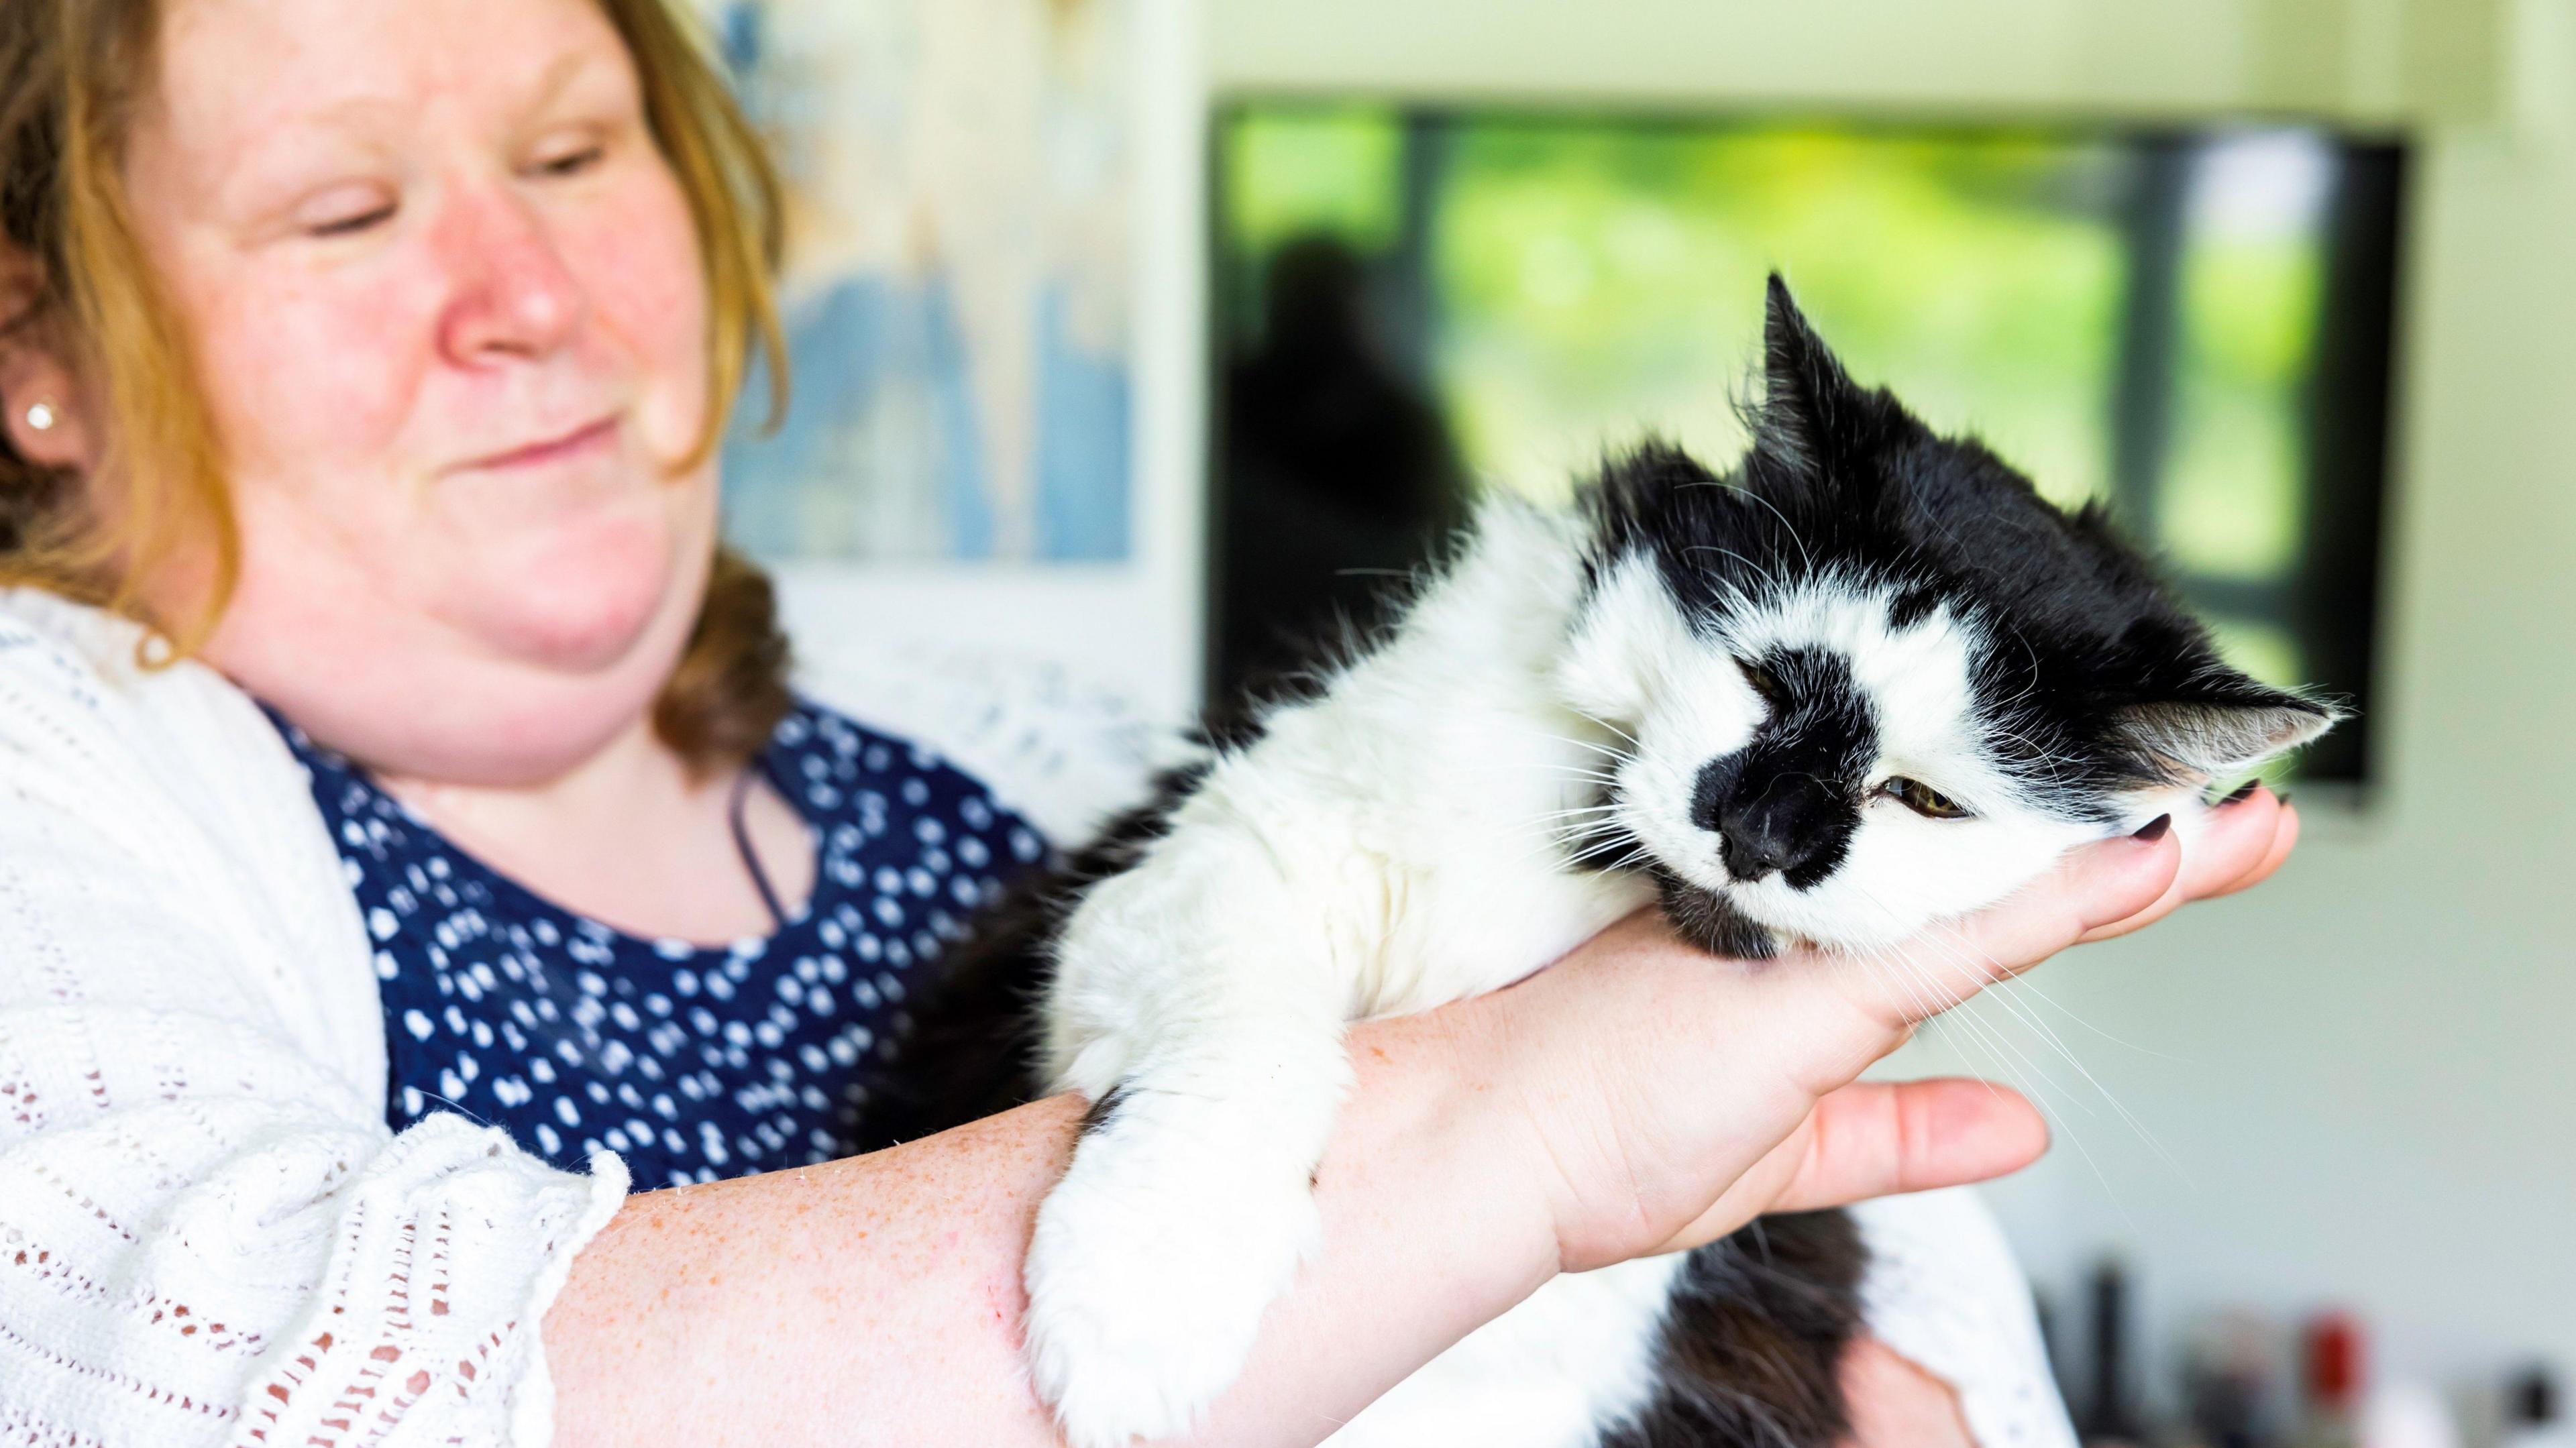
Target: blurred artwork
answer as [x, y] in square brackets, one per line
[957, 288]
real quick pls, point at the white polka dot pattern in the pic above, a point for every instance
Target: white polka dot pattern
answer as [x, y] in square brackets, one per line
[691, 1063]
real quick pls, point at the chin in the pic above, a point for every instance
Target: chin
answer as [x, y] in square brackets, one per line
[584, 600]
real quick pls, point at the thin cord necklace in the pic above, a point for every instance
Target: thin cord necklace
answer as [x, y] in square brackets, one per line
[751, 857]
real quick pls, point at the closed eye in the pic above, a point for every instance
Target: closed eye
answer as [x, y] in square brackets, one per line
[1923, 799]
[572, 163]
[352, 223]
[347, 209]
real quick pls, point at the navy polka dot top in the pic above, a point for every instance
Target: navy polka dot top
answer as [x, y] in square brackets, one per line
[692, 1063]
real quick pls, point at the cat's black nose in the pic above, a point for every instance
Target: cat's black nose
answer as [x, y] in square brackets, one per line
[1777, 824]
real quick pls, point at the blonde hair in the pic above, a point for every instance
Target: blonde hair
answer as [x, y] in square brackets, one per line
[69, 75]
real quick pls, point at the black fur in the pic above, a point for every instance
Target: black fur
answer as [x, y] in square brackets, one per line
[1773, 805]
[1752, 1340]
[1710, 921]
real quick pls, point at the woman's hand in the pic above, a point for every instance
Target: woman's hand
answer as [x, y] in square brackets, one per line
[1665, 1101]
[1896, 1404]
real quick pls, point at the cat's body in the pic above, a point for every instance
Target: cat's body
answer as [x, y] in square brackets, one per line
[1402, 867]
[1716, 696]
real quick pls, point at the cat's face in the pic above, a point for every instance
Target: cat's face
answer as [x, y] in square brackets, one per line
[1874, 681]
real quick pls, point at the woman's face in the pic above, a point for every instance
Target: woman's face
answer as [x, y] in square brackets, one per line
[447, 305]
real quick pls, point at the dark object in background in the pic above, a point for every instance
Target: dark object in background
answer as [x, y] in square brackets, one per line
[2229, 1374]
[2109, 1420]
[2531, 1412]
[1340, 478]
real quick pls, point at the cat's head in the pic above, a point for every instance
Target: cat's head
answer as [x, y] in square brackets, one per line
[1873, 679]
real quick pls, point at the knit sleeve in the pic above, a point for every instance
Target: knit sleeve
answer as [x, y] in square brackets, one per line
[207, 1233]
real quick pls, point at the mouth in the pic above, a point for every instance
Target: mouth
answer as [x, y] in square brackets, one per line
[581, 442]
[1708, 919]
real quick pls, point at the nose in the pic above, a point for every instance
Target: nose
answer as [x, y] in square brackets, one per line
[513, 298]
[1773, 823]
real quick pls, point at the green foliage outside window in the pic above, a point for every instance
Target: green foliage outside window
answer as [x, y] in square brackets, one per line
[1585, 281]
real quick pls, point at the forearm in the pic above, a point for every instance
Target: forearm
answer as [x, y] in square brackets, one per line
[877, 1300]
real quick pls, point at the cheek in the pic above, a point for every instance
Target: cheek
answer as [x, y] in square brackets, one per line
[311, 374]
[1904, 873]
[638, 254]
[1708, 715]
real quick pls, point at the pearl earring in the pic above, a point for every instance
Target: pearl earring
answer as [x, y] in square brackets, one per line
[41, 417]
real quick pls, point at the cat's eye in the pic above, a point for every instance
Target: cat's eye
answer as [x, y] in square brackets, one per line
[1764, 682]
[1923, 799]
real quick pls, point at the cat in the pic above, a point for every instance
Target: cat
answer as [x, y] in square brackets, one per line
[1870, 681]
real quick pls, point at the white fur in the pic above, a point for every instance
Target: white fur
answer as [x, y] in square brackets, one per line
[1399, 843]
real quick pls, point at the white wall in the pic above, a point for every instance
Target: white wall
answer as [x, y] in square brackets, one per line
[2364, 60]
[2362, 1076]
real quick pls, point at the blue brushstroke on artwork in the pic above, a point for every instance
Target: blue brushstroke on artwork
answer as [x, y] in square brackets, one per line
[739, 37]
[868, 345]
[881, 382]
[850, 352]
[1083, 460]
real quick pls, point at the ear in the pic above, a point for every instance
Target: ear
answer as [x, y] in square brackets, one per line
[2231, 731]
[1812, 412]
[33, 375]
[36, 386]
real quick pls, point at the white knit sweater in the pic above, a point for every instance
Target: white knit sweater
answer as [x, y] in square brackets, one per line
[209, 1236]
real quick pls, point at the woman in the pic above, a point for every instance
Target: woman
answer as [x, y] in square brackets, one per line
[370, 356]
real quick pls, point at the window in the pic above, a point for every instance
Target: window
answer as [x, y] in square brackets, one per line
[2194, 326]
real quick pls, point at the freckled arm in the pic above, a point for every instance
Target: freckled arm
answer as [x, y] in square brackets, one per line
[878, 1300]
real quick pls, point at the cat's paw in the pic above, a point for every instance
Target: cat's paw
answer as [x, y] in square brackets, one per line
[1153, 1261]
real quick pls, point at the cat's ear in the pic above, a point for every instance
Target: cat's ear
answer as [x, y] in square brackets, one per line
[2231, 728]
[1813, 415]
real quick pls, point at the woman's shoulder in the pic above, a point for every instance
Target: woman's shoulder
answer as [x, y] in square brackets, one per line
[80, 678]
[172, 775]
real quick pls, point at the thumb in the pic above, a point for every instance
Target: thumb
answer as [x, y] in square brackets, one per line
[1879, 1138]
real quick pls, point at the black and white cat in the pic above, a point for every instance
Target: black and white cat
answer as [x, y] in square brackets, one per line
[1870, 681]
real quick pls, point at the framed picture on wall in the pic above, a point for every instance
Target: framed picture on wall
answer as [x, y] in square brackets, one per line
[993, 234]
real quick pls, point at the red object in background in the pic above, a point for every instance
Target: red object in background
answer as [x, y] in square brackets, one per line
[2335, 1362]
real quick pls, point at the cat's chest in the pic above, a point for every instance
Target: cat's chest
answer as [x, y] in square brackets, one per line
[1444, 861]
[1477, 921]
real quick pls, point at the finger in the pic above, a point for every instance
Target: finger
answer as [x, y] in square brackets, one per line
[2285, 838]
[1896, 1404]
[1945, 964]
[1878, 1138]
[2231, 844]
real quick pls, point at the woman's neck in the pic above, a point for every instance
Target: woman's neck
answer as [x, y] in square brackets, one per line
[629, 838]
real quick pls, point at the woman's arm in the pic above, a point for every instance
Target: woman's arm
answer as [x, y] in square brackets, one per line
[1635, 1098]
[878, 1300]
